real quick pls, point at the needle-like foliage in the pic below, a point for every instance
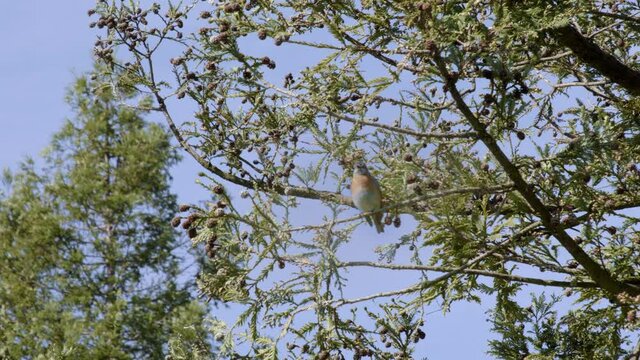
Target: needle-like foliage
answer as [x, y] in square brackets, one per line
[504, 134]
[89, 264]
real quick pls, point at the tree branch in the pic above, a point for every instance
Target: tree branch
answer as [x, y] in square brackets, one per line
[288, 190]
[617, 16]
[579, 83]
[395, 129]
[493, 274]
[600, 275]
[401, 204]
[426, 284]
[590, 53]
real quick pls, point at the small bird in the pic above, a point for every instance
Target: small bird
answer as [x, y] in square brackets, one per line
[366, 194]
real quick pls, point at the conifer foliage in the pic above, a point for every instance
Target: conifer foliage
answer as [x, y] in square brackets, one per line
[89, 264]
[504, 135]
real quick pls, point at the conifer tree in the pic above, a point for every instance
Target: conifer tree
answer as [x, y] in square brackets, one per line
[89, 263]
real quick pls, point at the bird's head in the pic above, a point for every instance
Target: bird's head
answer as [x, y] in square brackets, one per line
[360, 168]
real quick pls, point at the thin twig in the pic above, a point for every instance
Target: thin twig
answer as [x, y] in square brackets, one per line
[579, 83]
[440, 194]
[493, 274]
[598, 273]
[417, 134]
[426, 284]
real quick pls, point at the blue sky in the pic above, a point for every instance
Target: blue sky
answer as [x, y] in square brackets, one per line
[42, 46]
[45, 44]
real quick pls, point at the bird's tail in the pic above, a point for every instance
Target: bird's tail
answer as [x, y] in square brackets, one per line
[377, 220]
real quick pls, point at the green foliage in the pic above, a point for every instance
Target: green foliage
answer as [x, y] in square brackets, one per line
[536, 332]
[506, 149]
[88, 263]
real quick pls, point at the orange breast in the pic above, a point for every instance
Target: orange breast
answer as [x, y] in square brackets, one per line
[361, 182]
[365, 193]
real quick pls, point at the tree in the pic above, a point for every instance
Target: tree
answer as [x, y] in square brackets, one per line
[503, 133]
[89, 264]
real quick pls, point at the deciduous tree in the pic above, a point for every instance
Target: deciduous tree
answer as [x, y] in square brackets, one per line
[504, 134]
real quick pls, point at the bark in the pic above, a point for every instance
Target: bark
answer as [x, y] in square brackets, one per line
[591, 54]
[599, 274]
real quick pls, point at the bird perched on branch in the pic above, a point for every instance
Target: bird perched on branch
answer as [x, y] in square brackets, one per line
[366, 194]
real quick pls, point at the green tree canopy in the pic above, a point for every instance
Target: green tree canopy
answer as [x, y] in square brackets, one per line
[505, 136]
[88, 260]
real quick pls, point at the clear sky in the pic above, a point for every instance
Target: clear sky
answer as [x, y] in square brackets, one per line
[46, 43]
[43, 44]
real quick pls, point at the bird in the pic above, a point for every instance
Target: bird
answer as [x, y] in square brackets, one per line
[366, 194]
